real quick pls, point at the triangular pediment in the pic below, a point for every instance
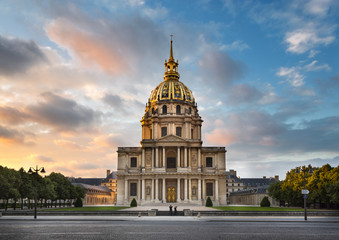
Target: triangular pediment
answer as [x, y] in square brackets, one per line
[171, 138]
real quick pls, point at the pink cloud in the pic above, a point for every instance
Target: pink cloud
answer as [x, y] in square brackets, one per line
[88, 47]
[220, 136]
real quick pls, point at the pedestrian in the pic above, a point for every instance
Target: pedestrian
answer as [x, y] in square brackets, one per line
[175, 210]
[170, 208]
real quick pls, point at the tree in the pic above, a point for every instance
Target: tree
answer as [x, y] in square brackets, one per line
[133, 203]
[209, 202]
[26, 188]
[265, 202]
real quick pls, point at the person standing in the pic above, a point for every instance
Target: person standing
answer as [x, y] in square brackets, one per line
[175, 210]
[170, 209]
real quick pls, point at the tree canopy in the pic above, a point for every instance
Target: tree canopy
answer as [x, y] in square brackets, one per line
[323, 185]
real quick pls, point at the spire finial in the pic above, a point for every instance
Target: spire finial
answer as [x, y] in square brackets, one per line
[171, 52]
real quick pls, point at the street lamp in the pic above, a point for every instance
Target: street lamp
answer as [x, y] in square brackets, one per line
[304, 191]
[31, 171]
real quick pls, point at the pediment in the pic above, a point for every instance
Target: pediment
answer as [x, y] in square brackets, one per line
[171, 138]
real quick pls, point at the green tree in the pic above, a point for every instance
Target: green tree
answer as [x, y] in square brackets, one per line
[209, 202]
[265, 202]
[26, 188]
[133, 203]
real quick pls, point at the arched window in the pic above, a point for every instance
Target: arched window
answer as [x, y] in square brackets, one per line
[189, 110]
[178, 109]
[164, 109]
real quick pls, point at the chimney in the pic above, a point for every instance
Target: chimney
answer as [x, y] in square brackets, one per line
[108, 172]
[276, 178]
[264, 177]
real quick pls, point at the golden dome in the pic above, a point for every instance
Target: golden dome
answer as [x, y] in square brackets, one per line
[171, 88]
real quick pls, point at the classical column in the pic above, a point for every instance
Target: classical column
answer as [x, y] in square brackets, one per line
[178, 190]
[203, 189]
[143, 189]
[139, 190]
[216, 190]
[199, 189]
[185, 193]
[178, 158]
[163, 156]
[157, 157]
[143, 158]
[185, 157]
[163, 191]
[156, 189]
[199, 157]
[190, 189]
[189, 157]
[126, 189]
[152, 191]
[152, 162]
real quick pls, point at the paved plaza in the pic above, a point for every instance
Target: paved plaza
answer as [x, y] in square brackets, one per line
[167, 227]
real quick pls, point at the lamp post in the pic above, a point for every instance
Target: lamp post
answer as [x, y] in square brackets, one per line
[304, 191]
[31, 171]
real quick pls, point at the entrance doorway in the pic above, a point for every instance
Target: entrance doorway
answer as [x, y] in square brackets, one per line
[171, 194]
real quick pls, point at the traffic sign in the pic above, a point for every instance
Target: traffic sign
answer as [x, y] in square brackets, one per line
[305, 191]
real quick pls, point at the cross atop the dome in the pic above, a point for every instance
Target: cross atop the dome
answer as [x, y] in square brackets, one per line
[171, 36]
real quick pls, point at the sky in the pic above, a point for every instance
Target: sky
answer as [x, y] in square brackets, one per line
[75, 77]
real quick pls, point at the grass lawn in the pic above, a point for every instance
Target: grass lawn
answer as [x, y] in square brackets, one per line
[86, 209]
[260, 209]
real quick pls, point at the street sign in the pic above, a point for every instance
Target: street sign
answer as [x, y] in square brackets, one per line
[305, 191]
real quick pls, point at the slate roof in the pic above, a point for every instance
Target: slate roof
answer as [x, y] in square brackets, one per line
[89, 181]
[257, 182]
[91, 187]
[258, 190]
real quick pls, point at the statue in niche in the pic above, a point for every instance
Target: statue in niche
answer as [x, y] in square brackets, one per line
[194, 191]
[148, 191]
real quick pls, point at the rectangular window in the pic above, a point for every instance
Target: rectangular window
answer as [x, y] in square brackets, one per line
[209, 189]
[209, 162]
[178, 131]
[133, 162]
[164, 131]
[133, 189]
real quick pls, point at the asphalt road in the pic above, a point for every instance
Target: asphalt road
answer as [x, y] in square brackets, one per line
[163, 230]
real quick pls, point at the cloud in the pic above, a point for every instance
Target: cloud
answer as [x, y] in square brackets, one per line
[292, 76]
[63, 114]
[295, 76]
[114, 101]
[242, 93]
[302, 40]
[220, 68]
[17, 55]
[236, 45]
[318, 7]
[13, 136]
[117, 47]
[12, 115]
[41, 158]
[69, 144]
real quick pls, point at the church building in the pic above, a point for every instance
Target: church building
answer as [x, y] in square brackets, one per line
[171, 166]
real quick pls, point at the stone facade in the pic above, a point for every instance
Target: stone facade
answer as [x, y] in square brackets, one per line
[171, 165]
